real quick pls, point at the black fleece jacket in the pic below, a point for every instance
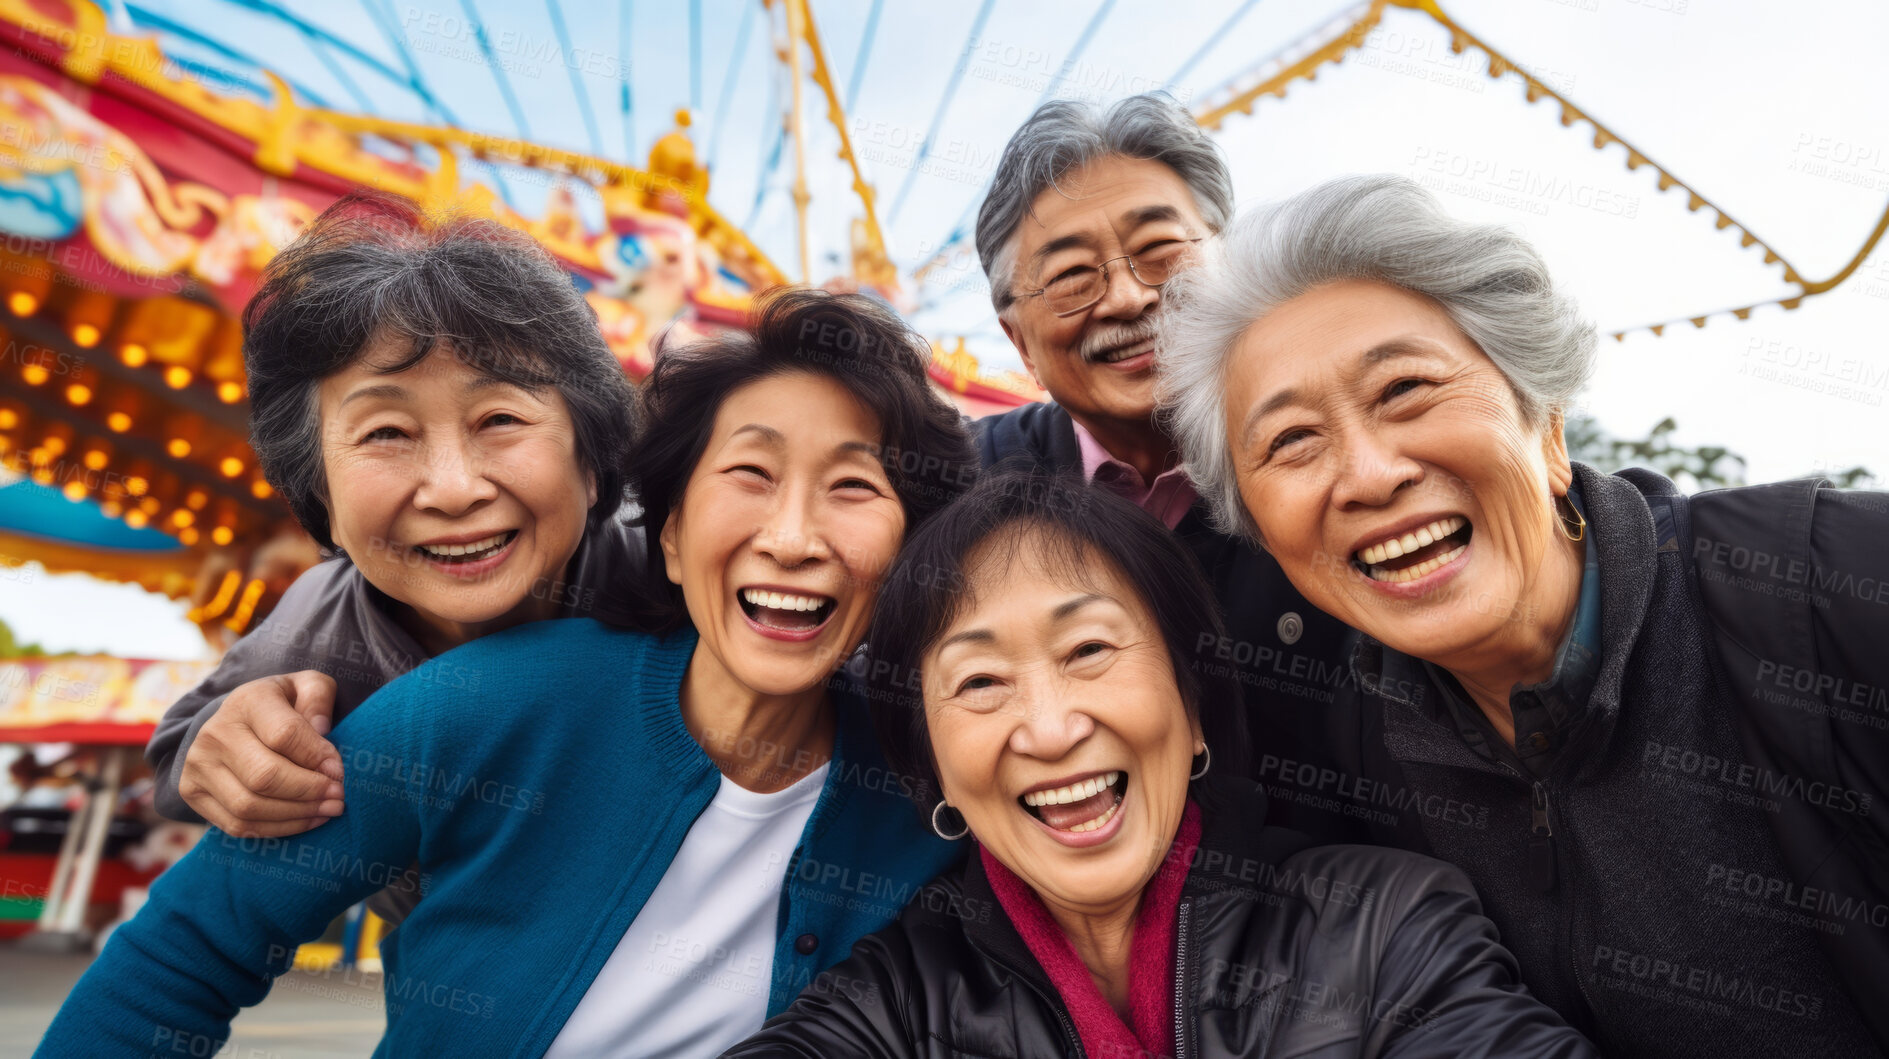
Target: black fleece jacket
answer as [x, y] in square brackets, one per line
[1700, 872]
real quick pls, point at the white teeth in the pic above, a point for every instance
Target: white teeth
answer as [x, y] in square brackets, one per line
[451, 550]
[1075, 792]
[1098, 821]
[782, 600]
[1411, 573]
[1395, 547]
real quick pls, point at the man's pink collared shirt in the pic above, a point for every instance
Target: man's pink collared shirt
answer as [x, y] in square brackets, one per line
[1167, 499]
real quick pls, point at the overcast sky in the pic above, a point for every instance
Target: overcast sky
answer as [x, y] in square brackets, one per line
[1773, 111]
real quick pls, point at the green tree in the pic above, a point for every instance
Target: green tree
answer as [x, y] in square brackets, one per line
[11, 647]
[1694, 469]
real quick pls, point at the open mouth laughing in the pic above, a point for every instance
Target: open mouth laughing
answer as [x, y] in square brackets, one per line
[1405, 557]
[793, 613]
[469, 552]
[1079, 807]
[1122, 353]
[470, 557]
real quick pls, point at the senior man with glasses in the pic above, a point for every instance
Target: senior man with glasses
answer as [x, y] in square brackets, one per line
[1091, 210]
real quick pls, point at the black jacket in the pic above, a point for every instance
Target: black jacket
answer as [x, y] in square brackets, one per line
[1289, 658]
[1700, 871]
[1280, 950]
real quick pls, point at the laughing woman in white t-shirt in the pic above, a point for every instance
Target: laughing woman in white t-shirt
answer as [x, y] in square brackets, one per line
[632, 842]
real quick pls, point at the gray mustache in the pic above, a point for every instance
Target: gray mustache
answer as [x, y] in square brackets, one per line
[1104, 338]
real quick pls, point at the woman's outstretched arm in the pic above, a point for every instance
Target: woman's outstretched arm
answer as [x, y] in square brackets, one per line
[225, 920]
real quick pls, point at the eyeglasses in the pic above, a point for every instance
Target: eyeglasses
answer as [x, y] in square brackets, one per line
[1078, 288]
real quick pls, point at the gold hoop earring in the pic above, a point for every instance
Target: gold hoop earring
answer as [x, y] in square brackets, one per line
[1575, 528]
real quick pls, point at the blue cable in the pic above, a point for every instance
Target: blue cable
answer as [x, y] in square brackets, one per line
[937, 118]
[345, 47]
[577, 84]
[321, 52]
[695, 55]
[773, 160]
[626, 101]
[729, 81]
[498, 72]
[963, 226]
[146, 17]
[864, 54]
[1212, 39]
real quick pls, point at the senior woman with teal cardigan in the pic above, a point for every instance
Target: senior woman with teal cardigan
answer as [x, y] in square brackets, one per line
[1639, 721]
[630, 842]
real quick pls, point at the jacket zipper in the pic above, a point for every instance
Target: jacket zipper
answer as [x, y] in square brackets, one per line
[1180, 978]
[1542, 828]
[1541, 851]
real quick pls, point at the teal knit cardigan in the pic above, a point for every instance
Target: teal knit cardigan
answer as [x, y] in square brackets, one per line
[544, 781]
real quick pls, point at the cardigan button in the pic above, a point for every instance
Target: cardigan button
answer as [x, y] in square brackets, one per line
[805, 944]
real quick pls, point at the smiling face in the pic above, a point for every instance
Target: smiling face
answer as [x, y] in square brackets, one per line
[1057, 726]
[782, 532]
[1099, 362]
[1387, 463]
[453, 492]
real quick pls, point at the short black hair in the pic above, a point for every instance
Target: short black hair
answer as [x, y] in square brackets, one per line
[857, 341]
[1074, 527]
[372, 267]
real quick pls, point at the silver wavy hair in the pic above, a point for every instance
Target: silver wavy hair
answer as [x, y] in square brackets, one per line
[1066, 134]
[1489, 280]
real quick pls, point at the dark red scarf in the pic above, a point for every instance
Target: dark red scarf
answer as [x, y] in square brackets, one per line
[1150, 954]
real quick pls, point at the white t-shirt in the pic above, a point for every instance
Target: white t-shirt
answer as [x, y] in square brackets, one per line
[692, 974]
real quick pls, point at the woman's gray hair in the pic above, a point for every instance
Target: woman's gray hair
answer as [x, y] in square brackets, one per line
[1490, 281]
[1066, 134]
[374, 268]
